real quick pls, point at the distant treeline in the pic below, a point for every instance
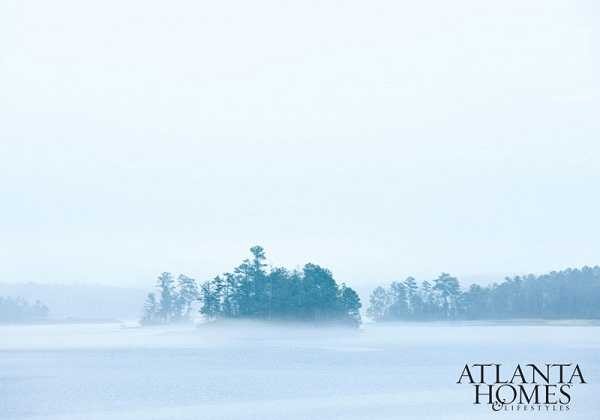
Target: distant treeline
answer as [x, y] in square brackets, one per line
[571, 293]
[13, 310]
[251, 291]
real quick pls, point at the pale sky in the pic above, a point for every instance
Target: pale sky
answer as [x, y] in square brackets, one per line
[379, 139]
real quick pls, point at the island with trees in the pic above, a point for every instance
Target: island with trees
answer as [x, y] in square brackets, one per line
[566, 294]
[254, 291]
[18, 310]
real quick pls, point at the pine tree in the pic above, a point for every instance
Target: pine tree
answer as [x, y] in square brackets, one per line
[398, 308]
[151, 310]
[167, 296]
[210, 300]
[350, 305]
[449, 290]
[187, 295]
[412, 297]
[379, 303]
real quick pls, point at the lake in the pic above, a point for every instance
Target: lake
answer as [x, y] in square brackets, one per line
[249, 371]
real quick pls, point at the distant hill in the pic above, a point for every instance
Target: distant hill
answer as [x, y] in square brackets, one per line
[85, 302]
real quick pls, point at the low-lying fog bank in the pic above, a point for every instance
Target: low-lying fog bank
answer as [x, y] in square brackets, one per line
[129, 335]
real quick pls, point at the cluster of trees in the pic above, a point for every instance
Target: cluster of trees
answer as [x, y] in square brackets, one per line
[253, 291]
[571, 293]
[14, 310]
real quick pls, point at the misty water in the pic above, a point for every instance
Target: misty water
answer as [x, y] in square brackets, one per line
[248, 371]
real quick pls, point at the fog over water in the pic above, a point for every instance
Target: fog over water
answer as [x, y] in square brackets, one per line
[379, 140]
[250, 371]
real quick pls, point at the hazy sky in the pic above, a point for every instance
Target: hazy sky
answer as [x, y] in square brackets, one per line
[377, 138]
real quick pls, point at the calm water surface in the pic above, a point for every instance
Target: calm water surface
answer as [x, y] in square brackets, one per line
[394, 371]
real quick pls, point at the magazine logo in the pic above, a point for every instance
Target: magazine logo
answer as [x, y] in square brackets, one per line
[529, 387]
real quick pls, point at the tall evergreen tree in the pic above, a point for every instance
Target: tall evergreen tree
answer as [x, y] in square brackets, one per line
[412, 297]
[379, 303]
[449, 290]
[167, 296]
[151, 310]
[320, 293]
[398, 308]
[350, 305]
[210, 300]
[187, 295]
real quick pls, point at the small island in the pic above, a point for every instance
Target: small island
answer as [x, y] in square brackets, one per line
[253, 291]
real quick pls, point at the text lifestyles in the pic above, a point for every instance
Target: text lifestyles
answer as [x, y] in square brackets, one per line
[523, 387]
